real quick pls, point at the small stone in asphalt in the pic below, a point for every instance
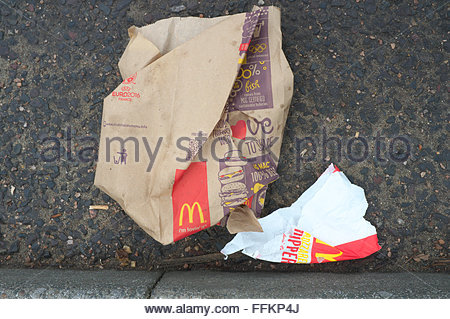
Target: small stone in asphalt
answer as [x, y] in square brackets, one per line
[337, 3]
[17, 149]
[390, 119]
[106, 10]
[370, 6]
[330, 63]
[397, 105]
[4, 50]
[35, 247]
[14, 248]
[122, 5]
[403, 10]
[390, 170]
[177, 9]
[314, 66]
[147, 18]
[3, 250]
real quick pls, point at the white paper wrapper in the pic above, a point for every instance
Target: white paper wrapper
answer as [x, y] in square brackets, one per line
[325, 224]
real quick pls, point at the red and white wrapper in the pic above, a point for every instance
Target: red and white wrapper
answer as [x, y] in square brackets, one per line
[325, 224]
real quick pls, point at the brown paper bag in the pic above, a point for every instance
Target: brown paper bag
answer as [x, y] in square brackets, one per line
[191, 137]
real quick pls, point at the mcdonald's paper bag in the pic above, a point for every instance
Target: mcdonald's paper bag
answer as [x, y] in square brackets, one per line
[191, 137]
[325, 224]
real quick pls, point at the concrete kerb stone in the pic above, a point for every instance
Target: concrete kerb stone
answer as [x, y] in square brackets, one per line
[103, 284]
[53, 283]
[213, 284]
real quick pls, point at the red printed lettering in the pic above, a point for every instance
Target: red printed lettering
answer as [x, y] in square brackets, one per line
[293, 249]
[289, 254]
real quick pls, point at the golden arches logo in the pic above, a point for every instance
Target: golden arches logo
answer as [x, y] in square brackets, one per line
[329, 257]
[191, 213]
[323, 256]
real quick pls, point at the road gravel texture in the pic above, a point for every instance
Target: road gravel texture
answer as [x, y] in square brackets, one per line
[370, 75]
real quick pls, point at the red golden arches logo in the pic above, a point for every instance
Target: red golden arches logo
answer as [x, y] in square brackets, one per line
[322, 252]
[190, 197]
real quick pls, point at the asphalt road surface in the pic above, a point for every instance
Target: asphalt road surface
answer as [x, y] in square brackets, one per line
[375, 70]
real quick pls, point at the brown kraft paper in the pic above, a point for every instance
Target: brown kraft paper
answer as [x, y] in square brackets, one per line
[191, 137]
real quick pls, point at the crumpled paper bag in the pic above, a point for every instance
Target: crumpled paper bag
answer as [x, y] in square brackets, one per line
[191, 137]
[325, 224]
